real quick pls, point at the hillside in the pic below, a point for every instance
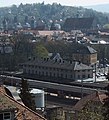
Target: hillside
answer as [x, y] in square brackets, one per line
[47, 13]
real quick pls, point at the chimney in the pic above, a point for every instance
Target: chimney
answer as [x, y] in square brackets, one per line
[55, 60]
[60, 60]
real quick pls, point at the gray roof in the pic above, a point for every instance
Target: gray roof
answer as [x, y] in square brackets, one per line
[82, 49]
[78, 23]
[62, 64]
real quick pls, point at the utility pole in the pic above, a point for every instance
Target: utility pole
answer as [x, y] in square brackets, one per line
[82, 88]
[95, 72]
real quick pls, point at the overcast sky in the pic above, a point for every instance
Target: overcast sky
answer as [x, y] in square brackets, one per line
[63, 2]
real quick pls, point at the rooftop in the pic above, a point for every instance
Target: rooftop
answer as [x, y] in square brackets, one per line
[78, 23]
[82, 49]
[96, 96]
[61, 64]
[8, 103]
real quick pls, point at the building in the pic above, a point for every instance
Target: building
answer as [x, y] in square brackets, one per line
[93, 103]
[57, 68]
[55, 113]
[10, 109]
[85, 54]
[78, 24]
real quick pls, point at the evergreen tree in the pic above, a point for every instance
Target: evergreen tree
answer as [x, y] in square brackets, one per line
[26, 96]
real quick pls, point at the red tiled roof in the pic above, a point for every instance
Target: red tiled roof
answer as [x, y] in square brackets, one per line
[23, 111]
[96, 96]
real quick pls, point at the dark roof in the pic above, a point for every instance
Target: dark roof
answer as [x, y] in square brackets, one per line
[77, 23]
[62, 64]
[82, 49]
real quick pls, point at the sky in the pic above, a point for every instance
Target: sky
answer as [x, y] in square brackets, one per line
[62, 2]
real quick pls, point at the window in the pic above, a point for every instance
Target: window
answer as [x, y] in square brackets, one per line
[42, 67]
[88, 75]
[46, 68]
[71, 76]
[57, 74]
[83, 76]
[50, 68]
[66, 76]
[24, 65]
[1, 116]
[7, 116]
[42, 72]
[50, 74]
[39, 72]
[32, 71]
[61, 75]
[29, 71]
[78, 76]
[46, 73]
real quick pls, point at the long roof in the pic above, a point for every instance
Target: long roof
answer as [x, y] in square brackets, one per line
[62, 64]
[78, 23]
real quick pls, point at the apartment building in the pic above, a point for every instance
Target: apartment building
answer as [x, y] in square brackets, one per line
[57, 68]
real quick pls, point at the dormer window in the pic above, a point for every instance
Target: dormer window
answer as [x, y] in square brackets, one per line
[7, 116]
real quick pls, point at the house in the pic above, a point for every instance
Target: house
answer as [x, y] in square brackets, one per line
[57, 68]
[92, 103]
[85, 54]
[55, 113]
[10, 109]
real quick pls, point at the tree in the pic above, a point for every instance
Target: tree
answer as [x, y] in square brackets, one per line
[106, 103]
[26, 96]
[41, 51]
[106, 26]
[91, 111]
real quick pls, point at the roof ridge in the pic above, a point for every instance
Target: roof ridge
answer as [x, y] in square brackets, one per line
[21, 104]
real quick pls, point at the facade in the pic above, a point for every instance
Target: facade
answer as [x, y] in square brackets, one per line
[55, 113]
[57, 68]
